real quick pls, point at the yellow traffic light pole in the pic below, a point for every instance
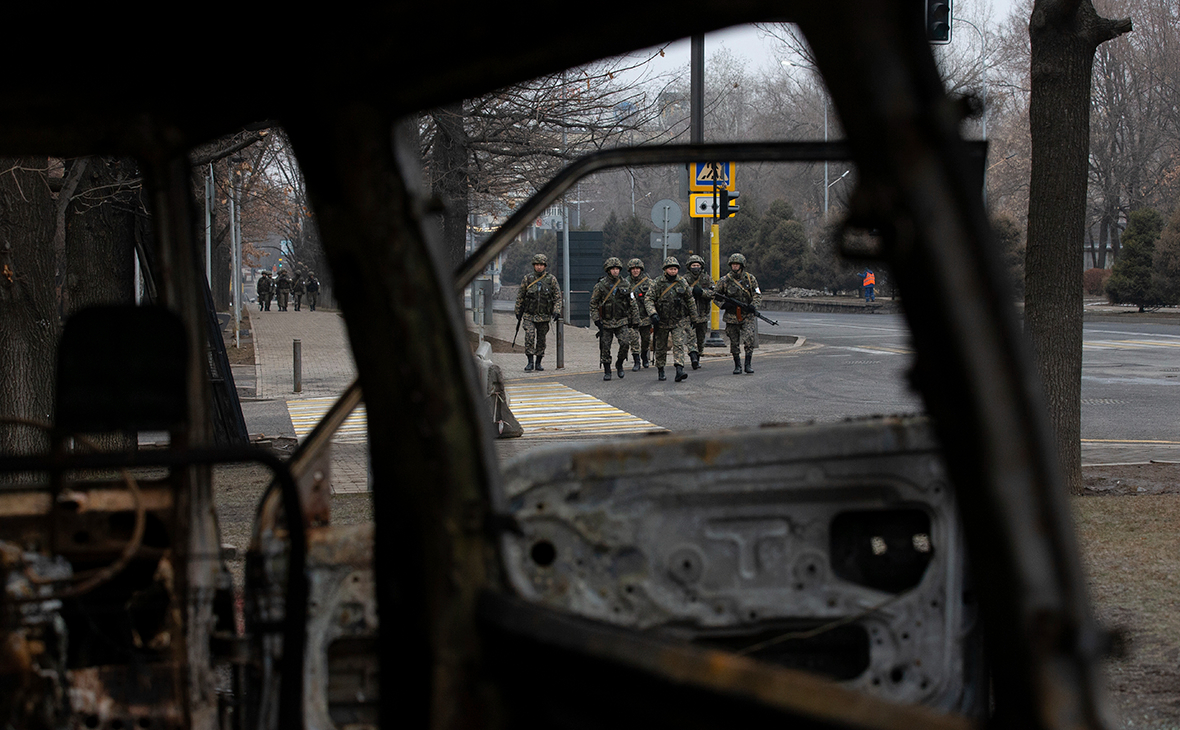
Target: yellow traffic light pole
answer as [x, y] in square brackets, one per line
[715, 270]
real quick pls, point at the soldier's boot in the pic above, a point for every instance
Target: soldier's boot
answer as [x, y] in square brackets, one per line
[749, 367]
[646, 361]
[696, 360]
[660, 370]
[737, 364]
[529, 368]
[680, 374]
[619, 365]
[539, 362]
[606, 371]
[636, 368]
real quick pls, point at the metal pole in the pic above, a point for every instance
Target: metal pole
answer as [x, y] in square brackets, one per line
[715, 339]
[696, 129]
[665, 234]
[298, 365]
[560, 344]
[209, 225]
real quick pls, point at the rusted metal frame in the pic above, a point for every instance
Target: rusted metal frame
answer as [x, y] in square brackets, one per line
[431, 455]
[634, 157]
[295, 618]
[972, 369]
[794, 693]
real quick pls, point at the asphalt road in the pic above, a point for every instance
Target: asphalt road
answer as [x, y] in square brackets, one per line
[856, 365]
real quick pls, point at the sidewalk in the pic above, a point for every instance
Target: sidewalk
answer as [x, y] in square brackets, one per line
[327, 370]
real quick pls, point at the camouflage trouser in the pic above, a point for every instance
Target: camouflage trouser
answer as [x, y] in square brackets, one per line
[697, 332]
[741, 334]
[623, 334]
[298, 300]
[264, 302]
[534, 336]
[312, 296]
[283, 300]
[642, 341]
[679, 335]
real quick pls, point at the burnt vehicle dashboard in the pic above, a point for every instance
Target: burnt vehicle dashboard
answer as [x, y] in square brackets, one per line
[812, 575]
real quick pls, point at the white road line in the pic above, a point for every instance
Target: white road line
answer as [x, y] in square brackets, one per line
[548, 410]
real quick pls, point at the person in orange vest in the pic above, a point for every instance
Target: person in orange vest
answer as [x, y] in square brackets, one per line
[870, 281]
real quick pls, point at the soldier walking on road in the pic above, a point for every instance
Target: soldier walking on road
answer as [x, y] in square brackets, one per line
[640, 284]
[613, 310]
[670, 306]
[298, 288]
[702, 291]
[537, 302]
[313, 290]
[741, 287]
[264, 288]
[283, 289]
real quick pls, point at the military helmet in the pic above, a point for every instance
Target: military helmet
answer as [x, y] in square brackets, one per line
[634, 264]
[737, 258]
[540, 258]
[695, 259]
[612, 262]
[671, 261]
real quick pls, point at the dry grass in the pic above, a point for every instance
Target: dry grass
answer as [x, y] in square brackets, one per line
[1131, 552]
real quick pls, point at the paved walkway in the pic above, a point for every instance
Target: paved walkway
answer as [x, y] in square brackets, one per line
[327, 370]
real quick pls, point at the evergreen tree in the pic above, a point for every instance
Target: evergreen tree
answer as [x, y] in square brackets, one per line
[1130, 282]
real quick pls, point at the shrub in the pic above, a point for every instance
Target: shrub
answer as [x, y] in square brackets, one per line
[1094, 281]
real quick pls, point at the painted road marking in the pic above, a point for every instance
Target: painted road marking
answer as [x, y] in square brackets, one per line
[1129, 344]
[305, 414]
[549, 410]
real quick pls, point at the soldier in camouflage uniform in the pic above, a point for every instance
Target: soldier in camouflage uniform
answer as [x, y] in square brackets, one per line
[283, 289]
[741, 286]
[298, 289]
[702, 292]
[265, 289]
[613, 310]
[641, 340]
[313, 290]
[670, 306]
[538, 301]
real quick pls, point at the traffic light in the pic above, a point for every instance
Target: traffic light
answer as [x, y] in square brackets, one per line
[725, 206]
[938, 21]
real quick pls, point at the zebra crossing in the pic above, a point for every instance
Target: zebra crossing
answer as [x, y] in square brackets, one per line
[306, 413]
[545, 410]
[552, 410]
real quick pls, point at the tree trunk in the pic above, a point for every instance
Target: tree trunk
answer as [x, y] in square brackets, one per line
[1064, 36]
[100, 223]
[449, 181]
[29, 324]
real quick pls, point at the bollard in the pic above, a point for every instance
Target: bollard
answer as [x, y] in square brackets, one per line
[298, 352]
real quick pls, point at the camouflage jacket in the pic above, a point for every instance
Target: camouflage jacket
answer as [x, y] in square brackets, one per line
[672, 300]
[613, 303]
[283, 284]
[742, 287]
[264, 285]
[298, 287]
[705, 282]
[539, 297]
[642, 288]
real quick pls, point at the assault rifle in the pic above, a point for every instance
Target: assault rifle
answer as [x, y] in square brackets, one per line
[517, 329]
[729, 303]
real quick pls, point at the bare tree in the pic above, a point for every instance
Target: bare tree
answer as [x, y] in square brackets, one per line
[1064, 36]
[484, 155]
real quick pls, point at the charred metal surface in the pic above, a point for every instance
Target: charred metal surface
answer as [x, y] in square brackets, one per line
[567, 672]
[342, 660]
[761, 542]
[125, 697]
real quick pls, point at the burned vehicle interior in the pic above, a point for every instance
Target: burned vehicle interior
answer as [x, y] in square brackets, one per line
[879, 573]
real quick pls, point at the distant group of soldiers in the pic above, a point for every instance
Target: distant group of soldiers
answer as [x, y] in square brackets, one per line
[283, 289]
[648, 315]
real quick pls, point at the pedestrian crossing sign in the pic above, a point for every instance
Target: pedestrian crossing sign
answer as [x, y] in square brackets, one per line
[707, 175]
